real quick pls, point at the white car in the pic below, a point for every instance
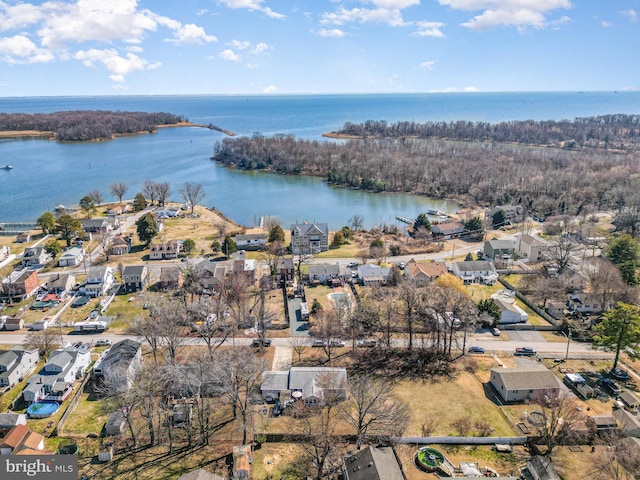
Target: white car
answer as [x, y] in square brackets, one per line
[352, 264]
[336, 343]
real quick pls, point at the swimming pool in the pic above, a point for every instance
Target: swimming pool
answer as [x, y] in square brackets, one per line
[42, 409]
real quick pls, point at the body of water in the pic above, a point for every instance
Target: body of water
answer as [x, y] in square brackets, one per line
[48, 173]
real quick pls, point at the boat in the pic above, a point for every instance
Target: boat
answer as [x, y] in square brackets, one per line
[8, 167]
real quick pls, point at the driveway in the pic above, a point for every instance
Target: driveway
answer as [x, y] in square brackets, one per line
[282, 358]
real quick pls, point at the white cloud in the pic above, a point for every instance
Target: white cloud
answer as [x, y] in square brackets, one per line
[251, 5]
[260, 48]
[18, 16]
[629, 88]
[392, 17]
[238, 45]
[270, 89]
[455, 90]
[427, 65]
[518, 13]
[605, 24]
[399, 4]
[192, 34]
[116, 64]
[251, 66]
[20, 49]
[631, 14]
[229, 55]
[428, 29]
[332, 32]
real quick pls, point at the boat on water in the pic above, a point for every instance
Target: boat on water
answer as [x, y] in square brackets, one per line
[8, 167]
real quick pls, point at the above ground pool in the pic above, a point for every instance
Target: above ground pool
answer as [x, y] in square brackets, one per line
[42, 409]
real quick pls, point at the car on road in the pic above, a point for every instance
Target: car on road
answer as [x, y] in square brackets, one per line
[103, 343]
[525, 351]
[352, 264]
[261, 342]
[495, 332]
[334, 342]
[367, 343]
[475, 350]
[318, 343]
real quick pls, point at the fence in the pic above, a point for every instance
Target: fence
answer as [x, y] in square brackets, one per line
[530, 304]
[72, 406]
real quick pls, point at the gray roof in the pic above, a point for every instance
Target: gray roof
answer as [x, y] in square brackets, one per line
[502, 244]
[115, 419]
[134, 269]
[122, 352]
[475, 266]
[97, 272]
[60, 358]
[307, 228]
[200, 474]
[629, 398]
[60, 280]
[373, 464]
[8, 419]
[532, 378]
[307, 379]
[531, 240]
[275, 380]
[324, 269]
[367, 271]
[250, 236]
[8, 357]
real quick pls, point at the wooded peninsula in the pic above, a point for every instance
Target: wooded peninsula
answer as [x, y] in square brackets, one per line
[548, 167]
[85, 125]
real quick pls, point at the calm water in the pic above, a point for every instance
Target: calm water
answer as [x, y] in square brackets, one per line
[48, 173]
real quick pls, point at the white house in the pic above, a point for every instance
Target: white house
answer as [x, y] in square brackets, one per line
[72, 257]
[530, 248]
[250, 241]
[16, 365]
[373, 274]
[525, 383]
[314, 384]
[324, 273]
[35, 256]
[476, 272]
[99, 281]
[586, 303]
[510, 312]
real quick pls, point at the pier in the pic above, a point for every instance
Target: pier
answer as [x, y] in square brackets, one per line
[15, 228]
[406, 220]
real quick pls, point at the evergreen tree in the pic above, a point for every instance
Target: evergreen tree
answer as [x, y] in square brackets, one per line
[87, 205]
[619, 330]
[189, 245]
[422, 221]
[69, 228]
[276, 234]
[229, 246]
[498, 219]
[139, 202]
[490, 307]
[474, 227]
[215, 246]
[147, 228]
[338, 239]
[624, 252]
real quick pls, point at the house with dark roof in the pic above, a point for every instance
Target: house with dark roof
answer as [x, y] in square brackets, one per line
[171, 278]
[424, 271]
[372, 463]
[447, 230]
[512, 213]
[135, 278]
[525, 383]
[61, 283]
[328, 274]
[309, 238]
[629, 422]
[315, 384]
[116, 423]
[499, 249]
[97, 225]
[8, 420]
[478, 271]
[15, 365]
[120, 363]
[72, 257]
[286, 273]
[35, 257]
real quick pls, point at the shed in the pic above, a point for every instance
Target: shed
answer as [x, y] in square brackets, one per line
[10, 420]
[13, 323]
[372, 463]
[629, 423]
[115, 424]
[630, 400]
[602, 423]
[105, 455]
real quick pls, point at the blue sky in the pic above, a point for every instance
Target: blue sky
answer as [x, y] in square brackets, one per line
[110, 47]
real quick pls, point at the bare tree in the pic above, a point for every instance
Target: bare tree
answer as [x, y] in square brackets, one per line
[561, 420]
[410, 296]
[355, 223]
[149, 190]
[192, 194]
[147, 329]
[429, 424]
[119, 189]
[616, 459]
[272, 256]
[329, 327]
[96, 196]
[299, 346]
[118, 399]
[45, 341]
[221, 227]
[170, 317]
[374, 412]
[605, 281]
[562, 253]
[105, 242]
[163, 192]
[378, 253]
[147, 388]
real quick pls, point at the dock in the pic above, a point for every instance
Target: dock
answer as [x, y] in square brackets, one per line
[406, 220]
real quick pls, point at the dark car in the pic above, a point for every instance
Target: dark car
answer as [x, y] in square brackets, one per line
[475, 350]
[525, 351]
[619, 374]
[261, 342]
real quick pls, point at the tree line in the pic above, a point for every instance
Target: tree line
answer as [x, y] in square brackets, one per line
[617, 131]
[83, 125]
[546, 181]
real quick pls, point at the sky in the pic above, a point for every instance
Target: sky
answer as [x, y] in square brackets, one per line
[143, 47]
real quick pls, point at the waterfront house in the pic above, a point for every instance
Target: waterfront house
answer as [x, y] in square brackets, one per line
[24, 237]
[171, 278]
[372, 463]
[121, 245]
[20, 285]
[309, 238]
[72, 257]
[15, 365]
[525, 383]
[21, 440]
[479, 271]
[424, 271]
[61, 283]
[499, 249]
[331, 274]
[97, 225]
[447, 230]
[165, 251]
[374, 275]
[35, 257]
[512, 213]
[250, 241]
[314, 384]
[135, 278]
[99, 281]
[530, 248]
[120, 363]
[116, 210]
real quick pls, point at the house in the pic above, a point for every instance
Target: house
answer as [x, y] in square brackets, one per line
[35, 257]
[135, 278]
[512, 213]
[309, 238]
[509, 311]
[200, 474]
[424, 271]
[97, 225]
[116, 210]
[374, 275]
[601, 424]
[20, 285]
[314, 383]
[629, 422]
[213, 273]
[41, 324]
[116, 424]
[99, 281]
[171, 278]
[286, 273]
[12, 324]
[499, 249]
[72, 257]
[573, 280]
[556, 309]
[630, 400]
[165, 251]
[372, 463]
[55, 380]
[21, 439]
[541, 468]
[246, 268]
[250, 241]
[8, 420]
[585, 303]
[24, 237]
[120, 363]
[61, 283]
[479, 271]
[530, 248]
[525, 383]
[15, 365]
[121, 245]
[447, 230]
[328, 274]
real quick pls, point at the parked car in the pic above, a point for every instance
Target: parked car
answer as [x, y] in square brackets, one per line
[334, 342]
[495, 332]
[475, 350]
[525, 351]
[103, 343]
[401, 265]
[352, 264]
[261, 342]
[367, 343]
[318, 343]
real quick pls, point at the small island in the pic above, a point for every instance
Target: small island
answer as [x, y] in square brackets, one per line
[90, 125]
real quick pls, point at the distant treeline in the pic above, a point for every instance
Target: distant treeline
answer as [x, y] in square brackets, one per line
[606, 131]
[546, 181]
[83, 125]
